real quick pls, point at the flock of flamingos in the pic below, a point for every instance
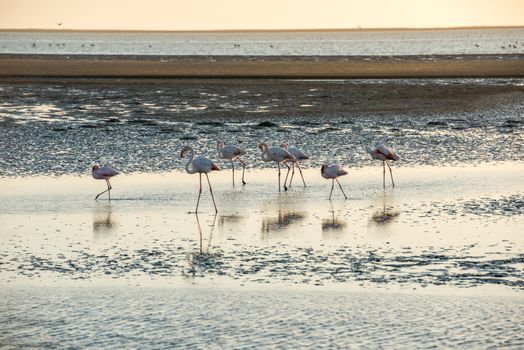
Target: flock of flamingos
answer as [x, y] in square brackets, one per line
[278, 154]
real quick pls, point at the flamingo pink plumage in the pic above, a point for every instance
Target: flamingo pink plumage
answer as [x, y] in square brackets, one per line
[103, 173]
[278, 155]
[200, 165]
[232, 152]
[299, 156]
[384, 153]
[333, 172]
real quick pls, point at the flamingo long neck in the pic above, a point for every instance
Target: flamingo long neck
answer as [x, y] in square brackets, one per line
[220, 145]
[265, 153]
[189, 164]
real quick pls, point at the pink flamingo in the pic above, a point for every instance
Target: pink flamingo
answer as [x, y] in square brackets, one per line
[103, 173]
[232, 152]
[384, 154]
[333, 172]
[200, 165]
[278, 155]
[299, 156]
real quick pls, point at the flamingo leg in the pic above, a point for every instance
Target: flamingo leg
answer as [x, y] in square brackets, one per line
[288, 169]
[391, 173]
[278, 164]
[108, 189]
[299, 169]
[332, 186]
[199, 192]
[292, 174]
[384, 174]
[233, 170]
[211, 191]
[243, 170]
[339, 185]
[199, 231]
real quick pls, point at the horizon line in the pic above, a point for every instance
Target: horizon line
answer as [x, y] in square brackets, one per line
[359, 29]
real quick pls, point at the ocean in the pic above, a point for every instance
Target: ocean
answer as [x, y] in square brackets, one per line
[337, 43]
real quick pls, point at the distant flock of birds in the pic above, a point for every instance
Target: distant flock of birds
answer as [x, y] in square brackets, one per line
[279, 154]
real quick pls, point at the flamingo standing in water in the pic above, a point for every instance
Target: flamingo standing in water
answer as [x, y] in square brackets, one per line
[299, 156]
[232, 152]
[103, 173]
[200, 165]
[384, 154]
[333, 172]
[278, 155]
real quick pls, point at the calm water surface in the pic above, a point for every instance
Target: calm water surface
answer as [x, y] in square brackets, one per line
[372, 43]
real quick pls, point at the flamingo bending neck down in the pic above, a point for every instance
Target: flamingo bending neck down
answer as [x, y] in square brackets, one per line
[333, 172]
[278, 155]
[232, 152]
[200, 165]
[384, 153]
[103, 173]
[299, 156]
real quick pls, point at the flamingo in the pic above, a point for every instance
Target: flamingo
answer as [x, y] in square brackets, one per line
[278, 155]
[299, 156]
[329, 171]
[232, 152]
[103, 173]
[384, 153]
[199, 165]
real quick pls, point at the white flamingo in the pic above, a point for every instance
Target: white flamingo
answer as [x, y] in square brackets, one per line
[299, 156]
[200, 165]
[384, 153]
[333, 172]
[278, 155]
[232, 152]
[103, 173]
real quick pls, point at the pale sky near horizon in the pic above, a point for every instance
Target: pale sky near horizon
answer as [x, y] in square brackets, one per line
[260, 14]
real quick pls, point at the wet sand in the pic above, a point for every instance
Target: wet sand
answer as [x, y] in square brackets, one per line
[323, 67]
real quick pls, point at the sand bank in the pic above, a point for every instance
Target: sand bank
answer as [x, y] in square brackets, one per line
[260, 67]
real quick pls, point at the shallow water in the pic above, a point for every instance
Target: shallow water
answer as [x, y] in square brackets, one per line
[226, 318]
[423, 233]
[370, 43]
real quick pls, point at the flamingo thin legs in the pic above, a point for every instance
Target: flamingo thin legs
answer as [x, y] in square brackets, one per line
[293, 174]
[243, 170]
[333, 186]
[200, 193]
[233, 170]
[341, 189]
[391, 173]
[211, 191]
[288, 169]
[384, 163]
[108, 190]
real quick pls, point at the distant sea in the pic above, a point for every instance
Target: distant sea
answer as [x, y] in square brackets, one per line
[323, 43]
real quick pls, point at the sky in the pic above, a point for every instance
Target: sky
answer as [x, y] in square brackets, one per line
[259, 14]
